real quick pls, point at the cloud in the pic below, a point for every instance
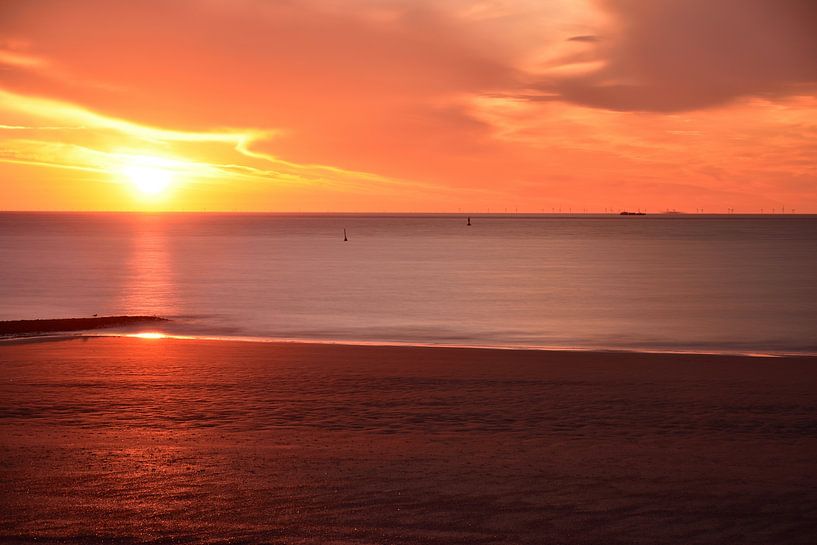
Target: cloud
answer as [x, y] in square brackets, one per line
[671, 55]
[361, 87]
[585, 38]
[413, 104]
[94, 142]
[244, 61]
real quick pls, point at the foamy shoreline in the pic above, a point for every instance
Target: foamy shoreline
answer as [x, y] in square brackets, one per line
[56, 336]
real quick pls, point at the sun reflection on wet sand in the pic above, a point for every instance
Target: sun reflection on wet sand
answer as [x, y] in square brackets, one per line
[148, 335]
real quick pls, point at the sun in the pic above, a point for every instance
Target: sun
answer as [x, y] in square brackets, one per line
[149, 179]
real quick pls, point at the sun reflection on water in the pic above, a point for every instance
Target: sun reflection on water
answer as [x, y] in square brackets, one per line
[150, 288]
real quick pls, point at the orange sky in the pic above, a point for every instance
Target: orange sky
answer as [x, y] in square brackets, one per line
[409, 105]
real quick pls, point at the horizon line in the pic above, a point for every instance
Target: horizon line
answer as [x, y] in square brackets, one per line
[671, 213]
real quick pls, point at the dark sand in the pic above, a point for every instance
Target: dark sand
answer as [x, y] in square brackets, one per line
[114, 440]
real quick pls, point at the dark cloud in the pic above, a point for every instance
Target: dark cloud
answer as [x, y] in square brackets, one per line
[586, 38]
[675, 55]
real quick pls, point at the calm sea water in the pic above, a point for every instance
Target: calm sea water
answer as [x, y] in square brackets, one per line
[702, 283]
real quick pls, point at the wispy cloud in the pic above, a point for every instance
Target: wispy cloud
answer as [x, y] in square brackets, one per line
[41, 147]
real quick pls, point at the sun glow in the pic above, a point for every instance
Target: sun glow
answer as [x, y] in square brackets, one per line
[147, 178]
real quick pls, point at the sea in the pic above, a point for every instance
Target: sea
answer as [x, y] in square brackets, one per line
[659, 282]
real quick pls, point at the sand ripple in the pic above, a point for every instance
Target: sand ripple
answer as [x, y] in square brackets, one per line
[116, 440]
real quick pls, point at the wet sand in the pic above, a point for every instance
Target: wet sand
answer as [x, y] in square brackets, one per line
[116, 440]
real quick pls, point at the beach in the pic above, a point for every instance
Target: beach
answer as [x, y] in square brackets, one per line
[450, 272]
[126, 440]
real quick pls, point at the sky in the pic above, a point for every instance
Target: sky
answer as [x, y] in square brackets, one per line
[409, 105]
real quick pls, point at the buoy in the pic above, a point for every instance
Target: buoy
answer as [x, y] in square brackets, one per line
[345, 239]
[469, 220]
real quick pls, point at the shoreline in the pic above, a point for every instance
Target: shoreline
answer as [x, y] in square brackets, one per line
[290, 341]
